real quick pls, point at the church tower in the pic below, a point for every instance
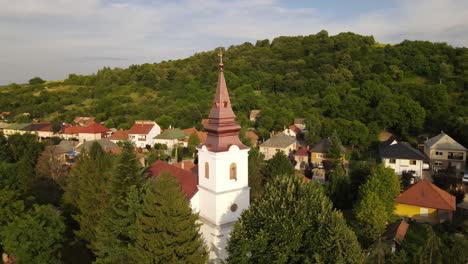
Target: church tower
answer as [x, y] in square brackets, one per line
[222, 173]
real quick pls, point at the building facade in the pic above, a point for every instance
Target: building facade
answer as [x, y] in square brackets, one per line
[445, 153]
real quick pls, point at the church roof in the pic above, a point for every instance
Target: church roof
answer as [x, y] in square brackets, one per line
[223, 131]
[187, 180]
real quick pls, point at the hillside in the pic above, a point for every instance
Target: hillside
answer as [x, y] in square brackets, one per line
[348, 82]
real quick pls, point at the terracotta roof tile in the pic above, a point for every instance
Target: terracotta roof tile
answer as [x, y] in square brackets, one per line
[72, 130]
[94, 128]
[141, 129]
[119, 135]
[295, 129]
[251, 135]
[302, 152]
[187, 180]
[426, 194]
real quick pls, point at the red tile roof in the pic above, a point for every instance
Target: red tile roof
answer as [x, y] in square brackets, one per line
[190, 130]
[186, 165]
[295, 129]
[401, 232]
[94, 128]
[187, 180]
[302, 152]
[72, 130]
[426, 194]
[251, 135]
[140, 129]
[119, 135]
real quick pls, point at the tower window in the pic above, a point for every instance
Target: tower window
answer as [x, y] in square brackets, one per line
[207, 170]
[233, 172]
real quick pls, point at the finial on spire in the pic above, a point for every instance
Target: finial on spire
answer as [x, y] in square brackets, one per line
[220, 55]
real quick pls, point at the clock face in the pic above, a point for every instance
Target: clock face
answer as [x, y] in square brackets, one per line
[233, 207]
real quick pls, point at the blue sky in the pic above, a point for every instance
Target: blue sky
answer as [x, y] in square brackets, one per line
[51, 38]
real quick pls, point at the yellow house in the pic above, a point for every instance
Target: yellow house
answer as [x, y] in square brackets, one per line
[319, 151]
[425, 202]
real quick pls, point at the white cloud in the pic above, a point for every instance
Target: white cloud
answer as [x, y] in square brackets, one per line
[51, 38]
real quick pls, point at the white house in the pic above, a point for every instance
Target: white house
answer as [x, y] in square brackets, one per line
[401, 157]
[171, 137]
[143, 132]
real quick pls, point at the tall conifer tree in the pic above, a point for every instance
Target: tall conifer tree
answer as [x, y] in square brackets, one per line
[167, 231]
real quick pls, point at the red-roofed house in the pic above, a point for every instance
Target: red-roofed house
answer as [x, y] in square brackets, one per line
[119, 136]
[301, 157]
[188, 181]
[200, 134]
[143, 132]
[70, 132]
[94, 131]
[253, 138]
[83, 121]
[425, 202]
[292, 131]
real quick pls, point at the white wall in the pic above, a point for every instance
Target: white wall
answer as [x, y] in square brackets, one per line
[88, 136]
[401, 165]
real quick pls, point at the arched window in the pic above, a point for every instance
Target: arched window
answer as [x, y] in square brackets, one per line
[233, 172]
[207, 170]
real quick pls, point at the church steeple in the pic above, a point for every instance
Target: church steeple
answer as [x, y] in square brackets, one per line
[223, 131]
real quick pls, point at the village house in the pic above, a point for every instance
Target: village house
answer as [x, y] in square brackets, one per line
[401, 157]
[94, 131]
[142, 133]
[253, 138]
[119, 136]
[279, 142]
[254, 115]
[301, 157]
[83, 121]
[425, 202]
[105, 143]
[16, 128]
[395, 234]
[70, 132]
[445, 153]
[300, 123]
[319, 152]
[171, 137]
[200, 134]
[292, 131]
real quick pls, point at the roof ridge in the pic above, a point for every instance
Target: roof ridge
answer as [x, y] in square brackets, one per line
[440, 193]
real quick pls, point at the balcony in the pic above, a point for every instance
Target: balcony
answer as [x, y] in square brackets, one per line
[455, 156]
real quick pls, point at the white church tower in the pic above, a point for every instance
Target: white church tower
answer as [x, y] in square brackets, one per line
[222, 173]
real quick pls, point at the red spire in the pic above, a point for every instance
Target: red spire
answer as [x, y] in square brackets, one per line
[223, 131]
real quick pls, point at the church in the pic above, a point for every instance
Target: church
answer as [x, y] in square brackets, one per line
[218, 189]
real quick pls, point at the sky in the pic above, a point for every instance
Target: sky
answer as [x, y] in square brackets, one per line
[52, 38]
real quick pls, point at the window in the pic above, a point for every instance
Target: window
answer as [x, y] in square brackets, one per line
[207, 170]
[233, 172]
[438, 163]
[392, 161]
[412, 162]
[320, 155]
[439, 153]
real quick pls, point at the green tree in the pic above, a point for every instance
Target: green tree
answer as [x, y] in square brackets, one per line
[11, 207]
[193, 142]
[279, 164]
[5, 151]
[294, 222]
[116, 234]
[256, 178]
[86, 191]
[36, 237]
[338, 189]
[167, 231]
[36, 81]
[431, 251]
[334, 149]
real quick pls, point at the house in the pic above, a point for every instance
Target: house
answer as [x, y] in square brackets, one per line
[16, 128]
[292, 131]
[425, 202]
[445, 153]
[94, 131]
[119, 136]
[84, 121]
[70, 132]
[401, 157]
[279, 142]
[254, 115]
[43, 130]
[395, 234]
[105, 143]
[319, 151]
[200, 134]
[253, 138]
[300, 123]
[65, 151]
[301, 157]
[142, 133]
[171, 137]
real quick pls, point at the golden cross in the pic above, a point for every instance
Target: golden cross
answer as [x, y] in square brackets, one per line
[220, 55]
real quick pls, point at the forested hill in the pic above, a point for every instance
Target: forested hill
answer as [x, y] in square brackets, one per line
[348, 82]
